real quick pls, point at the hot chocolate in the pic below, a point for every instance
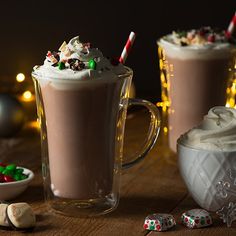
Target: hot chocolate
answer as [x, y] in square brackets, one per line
[81, 107]
[82, 100]
[197, 65]
[77, 170]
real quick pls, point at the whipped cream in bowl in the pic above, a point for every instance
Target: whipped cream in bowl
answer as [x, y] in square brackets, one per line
[207, 157]
[217, 131]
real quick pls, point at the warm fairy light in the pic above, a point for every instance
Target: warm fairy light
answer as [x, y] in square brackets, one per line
[163, 105]
[34, 125]
[165, 129]
[20, 77]
[165, 78]
[27, 95]
[231, 94]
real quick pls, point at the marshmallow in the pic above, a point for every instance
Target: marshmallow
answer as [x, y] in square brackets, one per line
[21, 215]
[3, 216]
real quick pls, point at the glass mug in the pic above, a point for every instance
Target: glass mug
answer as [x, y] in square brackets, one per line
[82, 132]
[193, 81]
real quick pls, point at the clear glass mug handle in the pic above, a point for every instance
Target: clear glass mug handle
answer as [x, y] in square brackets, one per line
[153, 133]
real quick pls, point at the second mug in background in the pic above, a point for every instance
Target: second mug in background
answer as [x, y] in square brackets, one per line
[194, 74]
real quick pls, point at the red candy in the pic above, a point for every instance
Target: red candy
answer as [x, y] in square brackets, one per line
[11, 173]
[2, 178]
[2, 164]
[8, 178]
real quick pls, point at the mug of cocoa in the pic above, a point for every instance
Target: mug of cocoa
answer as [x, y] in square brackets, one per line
[82, 100]
[196, 68]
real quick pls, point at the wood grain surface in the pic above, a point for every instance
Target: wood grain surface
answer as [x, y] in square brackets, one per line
[152, 186]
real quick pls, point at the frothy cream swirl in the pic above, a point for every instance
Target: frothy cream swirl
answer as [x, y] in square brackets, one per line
[83, 53]
[216, 132]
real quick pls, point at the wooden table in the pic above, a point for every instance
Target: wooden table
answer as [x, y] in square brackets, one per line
[152, 186]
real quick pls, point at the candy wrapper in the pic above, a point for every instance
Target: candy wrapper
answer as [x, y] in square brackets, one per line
[196, 218]
[159, 222]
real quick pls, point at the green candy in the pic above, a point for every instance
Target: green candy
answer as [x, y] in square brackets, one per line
[92, 64]
[23, 177]
[2, 169]
[182, 34]
[61, 65]
[13, 171]
[11, 167]
[17, 177]
[8, 172]
[19, 171]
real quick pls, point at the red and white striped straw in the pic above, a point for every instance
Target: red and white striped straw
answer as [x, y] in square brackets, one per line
[127, 48]
[231, 27]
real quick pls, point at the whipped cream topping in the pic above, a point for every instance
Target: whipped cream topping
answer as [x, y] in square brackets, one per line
[217, 132]
[203, 43]
[77, 60]
[202, 36]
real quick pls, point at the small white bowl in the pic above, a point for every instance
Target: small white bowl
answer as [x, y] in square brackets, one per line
[202, 170]
[11, 190]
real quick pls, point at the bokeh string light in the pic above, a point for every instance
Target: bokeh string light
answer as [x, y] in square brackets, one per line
[24, 90]
[20, 77]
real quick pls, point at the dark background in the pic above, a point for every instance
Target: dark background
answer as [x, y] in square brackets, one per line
[30, 28]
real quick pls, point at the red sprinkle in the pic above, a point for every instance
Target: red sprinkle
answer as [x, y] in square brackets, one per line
[8, 178]
[211, 38]
[202, 32]
[49, 54]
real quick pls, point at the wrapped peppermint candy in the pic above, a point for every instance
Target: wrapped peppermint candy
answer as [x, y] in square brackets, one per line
[159, 222]
[196, 218]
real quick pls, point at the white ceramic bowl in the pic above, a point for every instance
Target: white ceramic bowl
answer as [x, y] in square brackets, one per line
[201, 171]
[11, 190]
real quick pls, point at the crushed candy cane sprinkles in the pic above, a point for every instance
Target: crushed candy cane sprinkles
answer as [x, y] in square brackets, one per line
[77, 56]
[77, 60]
[64, 58]
[202, 36]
